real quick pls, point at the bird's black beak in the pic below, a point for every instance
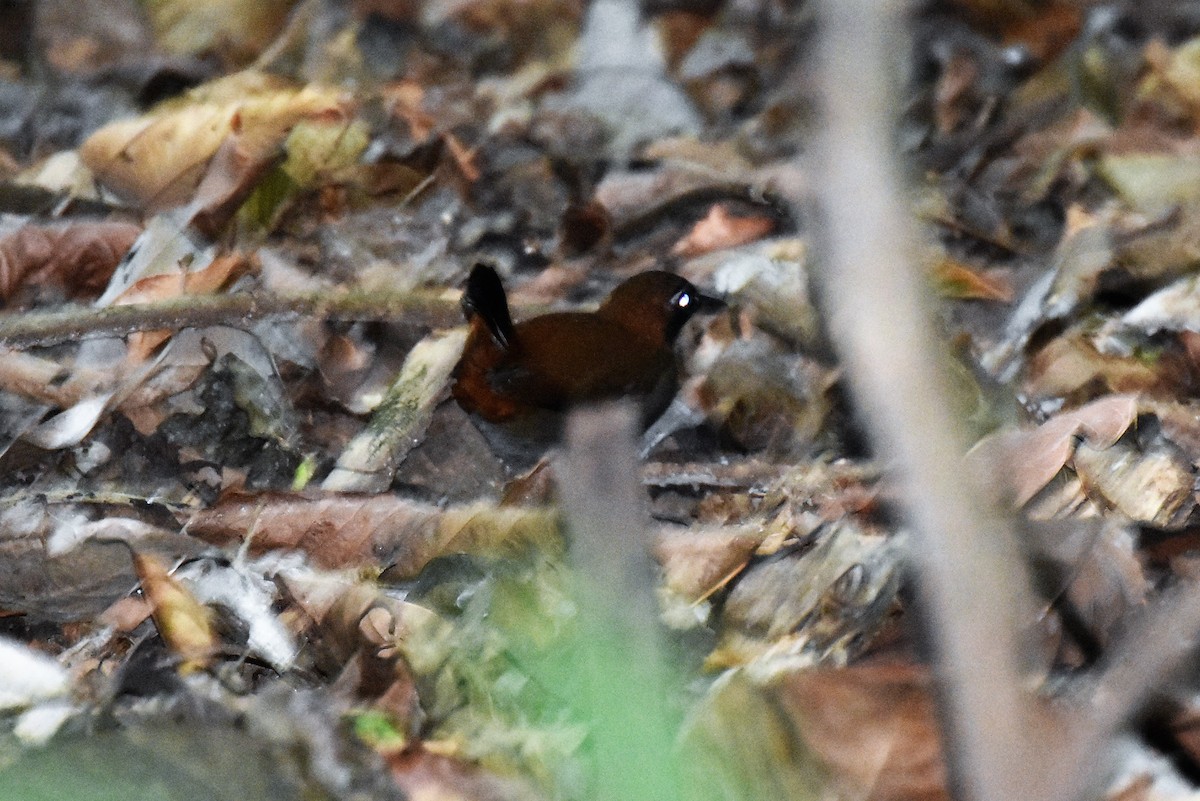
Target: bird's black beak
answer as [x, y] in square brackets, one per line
[709, 304]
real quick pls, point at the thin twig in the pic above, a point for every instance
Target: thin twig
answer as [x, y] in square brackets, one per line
[425, 308]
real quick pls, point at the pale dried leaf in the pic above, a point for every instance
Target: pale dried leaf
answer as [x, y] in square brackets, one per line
[1155, 486]
[369, 461]
[159, 160]
[183, 622]
[28, 676]
[1026, 460]
[696, 561]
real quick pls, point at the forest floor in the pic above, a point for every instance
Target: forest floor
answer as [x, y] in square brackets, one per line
[252, 548]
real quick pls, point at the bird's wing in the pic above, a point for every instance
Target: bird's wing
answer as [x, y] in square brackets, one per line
[568, 358]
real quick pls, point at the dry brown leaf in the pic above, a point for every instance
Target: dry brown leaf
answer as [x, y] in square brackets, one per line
[679, 31]
[348, 530]
[78, 257]
[1026, 460]
[1109, 584]
[232, 174]
[720, 230]
[958, 280]
[406, 99]
[874, 726]
[158, 160]
[1071, 367]
[169, 285]
[696, 562]
[407, 103]
[183, 622]
[126, 614]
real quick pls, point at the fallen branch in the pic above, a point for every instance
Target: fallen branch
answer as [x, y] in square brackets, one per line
[424, 308]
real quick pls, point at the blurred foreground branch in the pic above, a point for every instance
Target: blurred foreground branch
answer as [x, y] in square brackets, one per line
[1002, 742]
[626, 671]
[971, 573]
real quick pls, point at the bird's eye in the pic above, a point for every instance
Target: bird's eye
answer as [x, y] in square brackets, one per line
[683, 300]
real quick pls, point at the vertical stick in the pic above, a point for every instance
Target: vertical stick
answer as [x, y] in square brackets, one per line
[632, 720]
[972, 575]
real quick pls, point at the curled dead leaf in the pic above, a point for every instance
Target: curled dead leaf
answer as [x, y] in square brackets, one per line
[720, 230]
[1024, 461]
[158, 160]
[957, 280]
[183, 622]
[161, 286]
[77, 257]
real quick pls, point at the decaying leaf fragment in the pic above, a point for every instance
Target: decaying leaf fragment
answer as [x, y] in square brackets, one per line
[809, 607]
[1073, 366]
[161, 286]
[719, 230]
[1154, 486]
[159, 159]
[1024, 461]
[79, 257]
[697, 562]
[182, 621]
[875, 727]
[355, 530]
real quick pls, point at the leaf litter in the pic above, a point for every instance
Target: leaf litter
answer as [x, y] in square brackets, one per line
[411, 624]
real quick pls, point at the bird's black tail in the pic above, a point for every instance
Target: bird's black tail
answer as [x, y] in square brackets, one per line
[484, 296]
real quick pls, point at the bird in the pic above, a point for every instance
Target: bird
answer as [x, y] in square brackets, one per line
[518, 381]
